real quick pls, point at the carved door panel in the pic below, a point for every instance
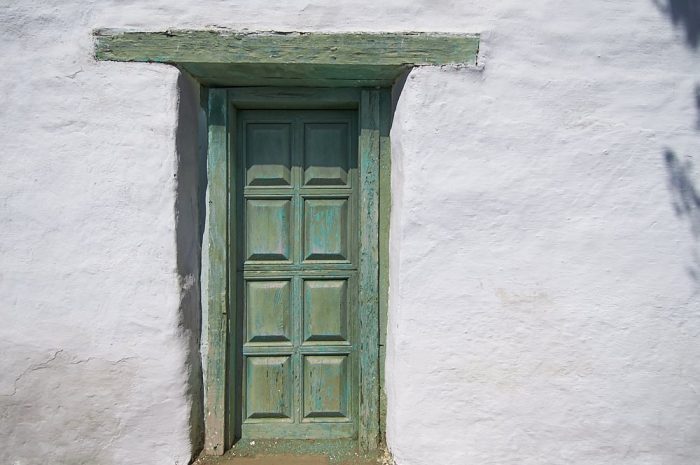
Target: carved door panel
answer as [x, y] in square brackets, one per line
[297, 273]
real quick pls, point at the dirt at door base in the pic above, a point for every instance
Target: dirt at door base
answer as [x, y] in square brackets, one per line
[266, 460]
[297, 452]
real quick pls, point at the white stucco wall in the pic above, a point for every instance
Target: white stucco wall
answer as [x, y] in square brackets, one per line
[545, 267]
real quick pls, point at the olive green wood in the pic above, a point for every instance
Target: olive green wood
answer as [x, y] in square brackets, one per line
[326, 310]
[302, 98]
[228, 47]
[369, 257]
[293, 74]
[297, 180]
[294, 98]
[227, 58]
[234, 367]
[384, 214]
[217, 154]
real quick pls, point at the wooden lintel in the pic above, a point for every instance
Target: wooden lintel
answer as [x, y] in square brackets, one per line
[278, 48]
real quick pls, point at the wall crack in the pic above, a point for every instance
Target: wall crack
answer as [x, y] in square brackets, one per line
[31, 368]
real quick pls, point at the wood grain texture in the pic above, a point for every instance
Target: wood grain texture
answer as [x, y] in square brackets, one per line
[233, 363]
[215, 402]
[294, 98]
[293, 74]
[373, 151]
[298, 181]
[227, 47]
[384, 215]
[369, 150]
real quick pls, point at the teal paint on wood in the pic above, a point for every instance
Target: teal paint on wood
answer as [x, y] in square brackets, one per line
[318, 325]
[269, 387]
[291, 74]
[298, 186]
[369, 272]
[294, 98]
[273, 156]
[269, 311]
[275, 216]
[228, 47]
[217, 153]
[228, 58]
[326, 154]
[384, 215]
[234, 367]
[326, 393]
[326, 229]
[326, 310]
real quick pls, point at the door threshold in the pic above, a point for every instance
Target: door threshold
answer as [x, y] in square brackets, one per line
[265, 460]
[294, 452]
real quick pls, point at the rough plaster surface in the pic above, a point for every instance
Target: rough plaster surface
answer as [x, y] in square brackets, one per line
[545, 265]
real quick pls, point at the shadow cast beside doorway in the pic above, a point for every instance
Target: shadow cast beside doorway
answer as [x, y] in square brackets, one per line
[190, 180]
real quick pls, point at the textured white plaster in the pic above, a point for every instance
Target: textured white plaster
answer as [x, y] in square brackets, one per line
[543, 306]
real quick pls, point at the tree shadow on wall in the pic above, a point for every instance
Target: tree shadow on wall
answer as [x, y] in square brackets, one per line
[686, 14]
[685, 197]
[697, 106]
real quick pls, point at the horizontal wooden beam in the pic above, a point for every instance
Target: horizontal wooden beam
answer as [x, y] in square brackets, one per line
[293, 74]
[292, 48]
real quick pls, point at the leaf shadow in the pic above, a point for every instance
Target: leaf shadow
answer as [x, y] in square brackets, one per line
[697, 106]
[685, 198]
[686, 14]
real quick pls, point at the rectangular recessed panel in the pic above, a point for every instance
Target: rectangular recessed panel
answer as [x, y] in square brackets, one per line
[268, 311]
[268, 229]
[325, 310]
[326, 154]
[268, 387]
[268, 154]
[326, 388]
[325, 229]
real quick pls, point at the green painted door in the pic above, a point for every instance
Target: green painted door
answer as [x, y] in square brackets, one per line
[297, 273]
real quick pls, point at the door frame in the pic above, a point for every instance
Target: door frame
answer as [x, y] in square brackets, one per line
[374, 112]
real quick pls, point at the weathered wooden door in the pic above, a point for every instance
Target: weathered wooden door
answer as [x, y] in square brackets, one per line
[297, 239]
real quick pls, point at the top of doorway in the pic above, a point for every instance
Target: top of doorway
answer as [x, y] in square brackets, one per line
[221, 58]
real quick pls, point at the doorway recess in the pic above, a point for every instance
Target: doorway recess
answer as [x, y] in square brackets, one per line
[294, 70]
